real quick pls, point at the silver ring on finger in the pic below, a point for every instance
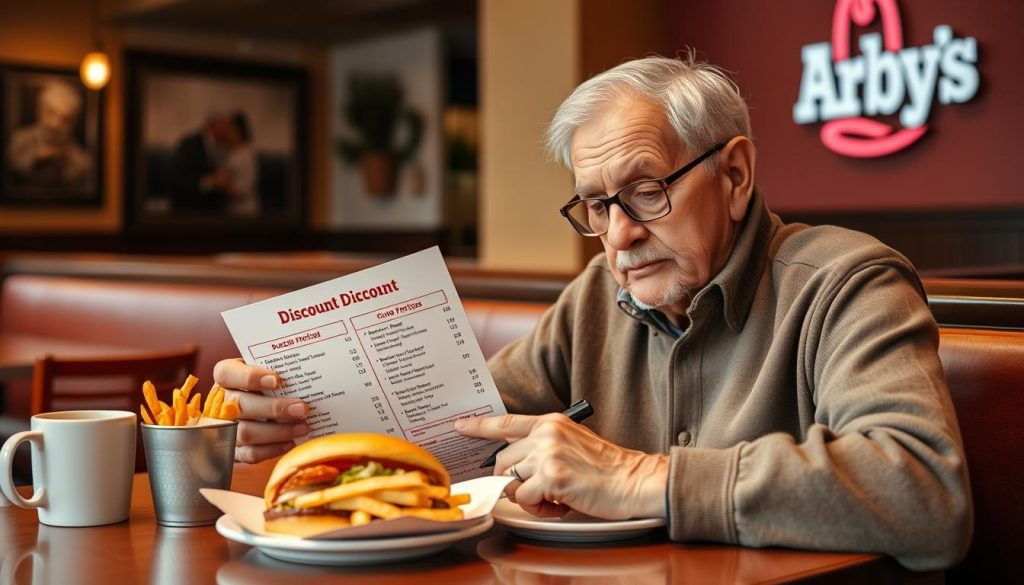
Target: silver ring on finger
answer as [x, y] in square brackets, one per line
[512, 471]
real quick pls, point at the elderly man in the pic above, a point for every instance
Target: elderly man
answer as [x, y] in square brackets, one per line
[46, 153]
[754, 382]
[200, 179]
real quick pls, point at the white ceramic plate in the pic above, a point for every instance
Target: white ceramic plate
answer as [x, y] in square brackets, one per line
[349, 552]
[573, 527]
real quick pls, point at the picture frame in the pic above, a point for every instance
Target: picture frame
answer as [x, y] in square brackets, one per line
[214, 145]
[387, 100]
[51, 139]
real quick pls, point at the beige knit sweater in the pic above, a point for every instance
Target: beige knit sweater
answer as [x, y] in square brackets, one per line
[805, 405]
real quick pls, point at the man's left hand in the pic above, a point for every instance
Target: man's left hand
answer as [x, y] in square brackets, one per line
[566, 465]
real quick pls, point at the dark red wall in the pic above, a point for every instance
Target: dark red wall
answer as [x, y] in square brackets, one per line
[970, 157]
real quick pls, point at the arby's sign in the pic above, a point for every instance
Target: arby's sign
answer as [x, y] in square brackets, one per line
[849, 93]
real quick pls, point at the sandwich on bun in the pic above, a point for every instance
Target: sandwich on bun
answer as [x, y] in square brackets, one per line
[351, 479]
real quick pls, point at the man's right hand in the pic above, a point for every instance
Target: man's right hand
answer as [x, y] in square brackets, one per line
[268, 425]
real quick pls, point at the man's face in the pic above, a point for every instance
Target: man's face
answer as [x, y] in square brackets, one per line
[57, 120]
[661, 262]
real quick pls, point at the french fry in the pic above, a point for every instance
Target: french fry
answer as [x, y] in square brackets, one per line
[359, 488]
[208, 404]
[184, 405]
[367, 504]
[180, 409]
[149, 393]
[359, 517]
[434, 491]
[166, 417]
[442, 514]
[193, 405]
[186, 388]
[175, 404]
[218, 400]
[410, 498]
[456, 500]
[229, 410]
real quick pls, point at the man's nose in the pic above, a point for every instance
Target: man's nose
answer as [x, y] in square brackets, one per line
[623, 230]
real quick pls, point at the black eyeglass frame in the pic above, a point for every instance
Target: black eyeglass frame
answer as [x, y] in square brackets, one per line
[614, 199]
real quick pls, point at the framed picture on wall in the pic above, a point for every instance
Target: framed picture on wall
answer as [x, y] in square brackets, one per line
[386, 98]
[51, 143]
[214, 145]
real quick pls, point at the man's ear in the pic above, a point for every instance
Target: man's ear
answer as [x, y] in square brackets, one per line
[736, 167]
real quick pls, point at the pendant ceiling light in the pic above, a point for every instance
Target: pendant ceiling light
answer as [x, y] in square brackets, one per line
[95, 68]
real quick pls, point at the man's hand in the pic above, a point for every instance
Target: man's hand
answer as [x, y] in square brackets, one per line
[566, 465]
[268, 425]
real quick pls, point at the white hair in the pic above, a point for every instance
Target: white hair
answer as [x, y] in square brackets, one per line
[61, 95]
[702, 103]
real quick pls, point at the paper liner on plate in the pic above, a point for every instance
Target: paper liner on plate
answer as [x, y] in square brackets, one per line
[484, 492]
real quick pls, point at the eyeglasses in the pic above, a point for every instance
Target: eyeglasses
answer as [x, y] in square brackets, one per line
[645, 200]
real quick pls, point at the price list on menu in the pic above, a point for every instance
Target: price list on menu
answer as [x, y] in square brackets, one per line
[386, 350]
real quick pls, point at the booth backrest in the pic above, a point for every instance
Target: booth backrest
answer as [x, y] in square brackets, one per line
[985, 371]
[152, 316]
[160, 316]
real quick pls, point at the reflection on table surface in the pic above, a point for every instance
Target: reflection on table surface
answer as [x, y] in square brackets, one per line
[457, 565]
[140, 551]
[516, 561]
[650, 560]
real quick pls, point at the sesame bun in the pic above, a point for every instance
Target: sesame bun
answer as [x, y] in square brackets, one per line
[355, 448]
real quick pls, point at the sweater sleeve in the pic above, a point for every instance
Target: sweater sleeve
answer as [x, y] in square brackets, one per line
[881, 468]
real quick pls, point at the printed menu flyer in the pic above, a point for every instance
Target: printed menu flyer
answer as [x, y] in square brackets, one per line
[386, 350]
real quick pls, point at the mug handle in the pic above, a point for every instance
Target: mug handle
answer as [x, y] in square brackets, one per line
[7, 469]
[9, 565]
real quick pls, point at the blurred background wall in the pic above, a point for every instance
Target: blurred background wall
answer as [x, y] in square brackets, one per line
[949, 201]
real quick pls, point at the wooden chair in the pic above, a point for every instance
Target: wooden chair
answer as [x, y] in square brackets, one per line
[109, 383]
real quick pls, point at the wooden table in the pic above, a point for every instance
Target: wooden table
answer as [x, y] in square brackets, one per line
[18, 352]
[140, 551]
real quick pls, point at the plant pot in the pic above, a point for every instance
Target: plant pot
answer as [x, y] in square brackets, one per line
[379, 173]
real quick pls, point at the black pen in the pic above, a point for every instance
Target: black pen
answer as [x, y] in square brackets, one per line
[578, 412]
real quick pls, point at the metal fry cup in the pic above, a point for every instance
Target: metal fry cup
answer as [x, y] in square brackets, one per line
[183, 459]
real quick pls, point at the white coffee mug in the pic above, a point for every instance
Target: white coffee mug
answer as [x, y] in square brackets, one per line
[83, 462]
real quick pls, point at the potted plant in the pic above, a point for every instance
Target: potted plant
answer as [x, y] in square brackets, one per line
[374, 108]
